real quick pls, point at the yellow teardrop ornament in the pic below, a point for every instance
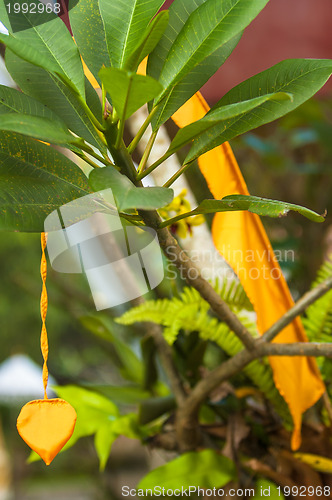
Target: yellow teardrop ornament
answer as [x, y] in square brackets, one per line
[46, 424]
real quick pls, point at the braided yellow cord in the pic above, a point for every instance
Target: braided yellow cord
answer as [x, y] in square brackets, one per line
[43, 312]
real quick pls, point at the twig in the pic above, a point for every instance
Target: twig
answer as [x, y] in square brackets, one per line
[296, 349]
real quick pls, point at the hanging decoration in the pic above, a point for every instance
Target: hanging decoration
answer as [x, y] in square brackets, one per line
[46, 424]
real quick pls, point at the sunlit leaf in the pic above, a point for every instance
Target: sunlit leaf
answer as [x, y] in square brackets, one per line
[38, 127]
[124, 22]
[254, 204]
[149, 40]
[89, 34]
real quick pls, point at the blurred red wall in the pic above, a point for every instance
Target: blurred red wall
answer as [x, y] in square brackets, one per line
[283, 30]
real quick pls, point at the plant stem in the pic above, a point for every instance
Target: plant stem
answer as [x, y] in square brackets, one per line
[132, 146]
[147, 152]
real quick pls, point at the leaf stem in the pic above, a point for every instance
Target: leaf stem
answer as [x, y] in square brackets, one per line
[172, 220]
[132, 146]
[177, 174]
[147, 152]
[119, 136]
[87, 160]
[91, 152]
[91, 115]
[154, 165]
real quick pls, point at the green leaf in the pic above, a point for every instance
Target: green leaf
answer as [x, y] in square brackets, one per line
[35, 179]
[149, 40]
[128, 394]
[205, 468]
[47, 44]
[4, 15]
[89, 34]
[93, 410]
[124, 22]
[42, 129]
[60, 99]
[126, 194]
[179, 12]
[192, 82]
[128, 91]
[210, 26]
[254, 204]
[131, 366]
[104, 438]
[300, 77]
[219, 115]
[178, 15]
[31, 55]
[98, 415]
[11, 100]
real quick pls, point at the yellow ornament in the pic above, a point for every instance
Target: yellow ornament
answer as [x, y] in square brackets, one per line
[46, 424]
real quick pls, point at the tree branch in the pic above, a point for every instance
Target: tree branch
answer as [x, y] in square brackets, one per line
[192, 274]
[264, 348]
[187, 426]
[187, 416]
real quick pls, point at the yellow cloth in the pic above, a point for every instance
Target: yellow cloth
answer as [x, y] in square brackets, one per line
[241, 239]
[46, 425]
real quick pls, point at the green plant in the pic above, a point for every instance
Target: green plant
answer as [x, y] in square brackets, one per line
[58, 105]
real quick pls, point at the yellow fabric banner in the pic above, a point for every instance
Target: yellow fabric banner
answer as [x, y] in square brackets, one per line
[241, 239]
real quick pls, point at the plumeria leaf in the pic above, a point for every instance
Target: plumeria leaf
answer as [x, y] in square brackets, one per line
[128, 91]
[126, 194]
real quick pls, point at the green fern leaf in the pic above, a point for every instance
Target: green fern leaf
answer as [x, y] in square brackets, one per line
[190, 313]
[318, 319]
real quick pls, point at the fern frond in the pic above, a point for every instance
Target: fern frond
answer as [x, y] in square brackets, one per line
[151, 310]
[318, 319]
